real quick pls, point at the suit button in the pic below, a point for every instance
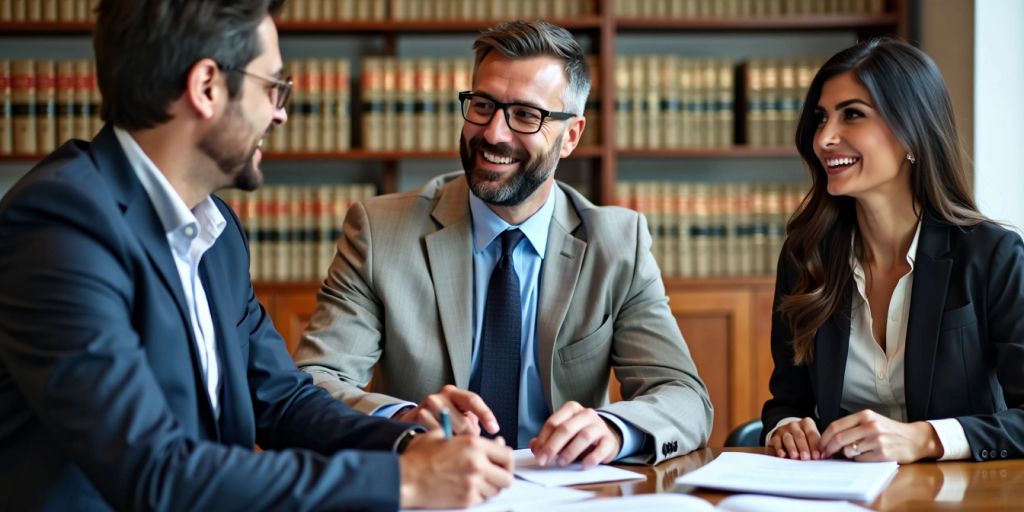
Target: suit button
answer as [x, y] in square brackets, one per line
[1002, 453]
[984, 454]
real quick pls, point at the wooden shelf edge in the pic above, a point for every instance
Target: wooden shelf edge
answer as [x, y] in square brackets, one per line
[44, 28]
[405, 26]
[729, 152]
[815, 22]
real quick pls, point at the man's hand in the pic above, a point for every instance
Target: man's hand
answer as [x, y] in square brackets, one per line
[573, 433]
[453, 473]
[467, 408]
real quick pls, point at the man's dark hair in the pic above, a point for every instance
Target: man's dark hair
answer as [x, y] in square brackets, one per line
[145, 48]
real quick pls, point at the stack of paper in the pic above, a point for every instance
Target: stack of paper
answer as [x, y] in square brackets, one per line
[829, 479]
[554, 475]
[682, 502]
[522, 495]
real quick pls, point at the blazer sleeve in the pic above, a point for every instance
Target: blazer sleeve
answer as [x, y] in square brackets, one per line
[68, 340]
[792, 394]
[1001, 435]
[341, 360]
[663, 395]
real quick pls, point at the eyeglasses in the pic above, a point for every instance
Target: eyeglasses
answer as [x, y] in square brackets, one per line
[525, 119]
[281, 91]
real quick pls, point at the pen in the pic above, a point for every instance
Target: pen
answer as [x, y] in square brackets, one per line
[446, 423]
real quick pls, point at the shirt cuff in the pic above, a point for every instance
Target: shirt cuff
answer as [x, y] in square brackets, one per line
[632, 437]
[783, 421]
[952, 438]
[389, 410]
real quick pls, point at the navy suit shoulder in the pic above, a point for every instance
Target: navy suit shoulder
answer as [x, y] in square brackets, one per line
[102, 403]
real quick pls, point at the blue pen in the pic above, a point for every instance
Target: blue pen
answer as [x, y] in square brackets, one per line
[446, 423]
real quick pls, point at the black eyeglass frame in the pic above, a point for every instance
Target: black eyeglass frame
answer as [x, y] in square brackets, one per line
[544, 114]
[284, 87]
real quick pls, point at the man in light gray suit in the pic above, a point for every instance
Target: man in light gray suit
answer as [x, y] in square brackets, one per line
[412, 297]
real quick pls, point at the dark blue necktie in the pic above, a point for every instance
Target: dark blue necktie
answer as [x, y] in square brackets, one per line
[500, 340]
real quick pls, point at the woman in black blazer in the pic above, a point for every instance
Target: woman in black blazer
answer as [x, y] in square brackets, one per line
[898, 321]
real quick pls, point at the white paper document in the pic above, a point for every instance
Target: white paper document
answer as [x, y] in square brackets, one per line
[553, 475]
[684, 503]
[828, 479]
[523, 496]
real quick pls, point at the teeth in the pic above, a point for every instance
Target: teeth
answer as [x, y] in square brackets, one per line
[260, 144]
[836, 162]
[495, 159]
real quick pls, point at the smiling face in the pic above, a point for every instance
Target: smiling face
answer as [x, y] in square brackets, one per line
[506, 168]
[859, 152]
[235, 141]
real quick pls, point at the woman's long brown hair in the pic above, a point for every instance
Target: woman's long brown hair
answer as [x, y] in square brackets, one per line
[911, 96]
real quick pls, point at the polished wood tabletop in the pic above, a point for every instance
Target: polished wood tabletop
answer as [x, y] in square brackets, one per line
[993, 485]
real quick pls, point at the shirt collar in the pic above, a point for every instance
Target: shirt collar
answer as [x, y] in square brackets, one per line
[172, 211]
[487, 225]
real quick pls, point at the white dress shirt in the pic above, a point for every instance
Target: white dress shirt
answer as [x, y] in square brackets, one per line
[190, 233]
[874, 376]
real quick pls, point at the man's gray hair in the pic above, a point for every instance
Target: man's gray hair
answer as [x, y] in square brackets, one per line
[524, 39]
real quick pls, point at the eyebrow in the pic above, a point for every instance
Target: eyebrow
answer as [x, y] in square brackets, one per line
[847, 103]
[513, 102]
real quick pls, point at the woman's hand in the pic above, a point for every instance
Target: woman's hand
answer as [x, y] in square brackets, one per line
[869, 436]
[796, 440]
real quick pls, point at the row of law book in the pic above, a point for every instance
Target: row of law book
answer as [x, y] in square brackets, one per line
[292, 229]
[319, 112]
[714, 229]
[669, 101]
[429, 10]
[46, 102]
[53, 11]
[775, 91]
[685, 9]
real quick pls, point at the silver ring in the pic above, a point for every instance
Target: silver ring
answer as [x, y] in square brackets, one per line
[854, 451]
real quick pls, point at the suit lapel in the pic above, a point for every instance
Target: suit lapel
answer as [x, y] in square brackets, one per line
[560, 271]
[928, 298]
[450, 254]
[142, 220]
[831, 348]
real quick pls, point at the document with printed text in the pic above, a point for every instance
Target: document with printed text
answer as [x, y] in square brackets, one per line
[828, 479]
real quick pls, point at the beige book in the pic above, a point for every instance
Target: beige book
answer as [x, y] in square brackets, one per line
[637, 91]
[363, 10]
[670, 103]
[372, 104]
[6, 126]
[323, 235]
[398, 10]
[716, 207]
[446, 98]
[405, 103]
[389, 85]
[344, 105]
[6, 10]
[652, 98]
[425, 107]
[314, 98]
[285, 227]
[772, 112]
[789, 102]
[84, 78]
[743, 210]
[96, 100]
[702, 230]
[345, 10]
[49, 10]
[34, 10]
[876, 7]
[329, 105]
[702, 96]
[776, 225]
[730, 219]
[725, 106]
[250, 221]
[328, 10]
[314, 10]
[689, 100]
[623, 104]
[755, 136]
[296, 126]
[23, 106]
[304, 245]
[66, 106]
[683, 208]
[670, 228]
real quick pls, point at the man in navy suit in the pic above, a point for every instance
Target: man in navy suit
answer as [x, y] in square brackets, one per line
[137, 368]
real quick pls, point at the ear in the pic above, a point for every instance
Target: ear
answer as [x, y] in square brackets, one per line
[203, 88]
[572, 135]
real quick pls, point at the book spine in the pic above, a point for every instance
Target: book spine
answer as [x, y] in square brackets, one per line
[23, 100]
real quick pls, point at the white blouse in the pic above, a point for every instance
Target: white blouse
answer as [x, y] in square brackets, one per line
[874, 377]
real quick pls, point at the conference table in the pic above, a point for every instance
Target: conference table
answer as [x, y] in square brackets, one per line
[992, 485]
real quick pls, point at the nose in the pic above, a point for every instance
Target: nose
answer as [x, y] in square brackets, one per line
[280, 115]
[828, 135]
[497, 130]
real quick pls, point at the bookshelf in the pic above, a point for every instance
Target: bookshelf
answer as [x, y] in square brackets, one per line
[725, 318]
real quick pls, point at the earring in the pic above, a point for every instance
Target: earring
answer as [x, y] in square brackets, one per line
[911, 158]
